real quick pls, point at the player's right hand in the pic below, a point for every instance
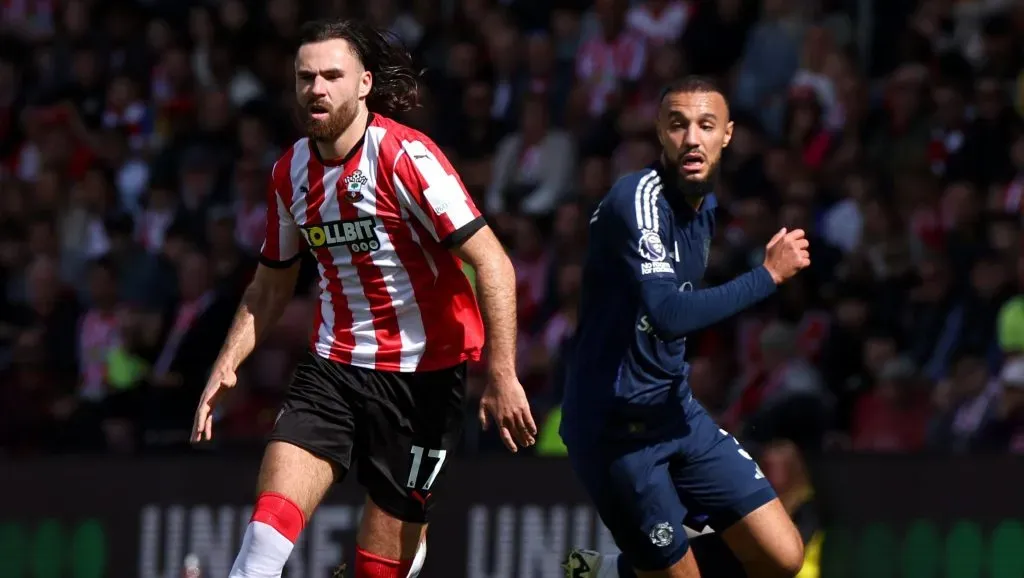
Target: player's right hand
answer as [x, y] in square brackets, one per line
[221, 380]
[786, 254]
[506, 402]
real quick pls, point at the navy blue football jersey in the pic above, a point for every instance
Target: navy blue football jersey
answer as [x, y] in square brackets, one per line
[641, 296]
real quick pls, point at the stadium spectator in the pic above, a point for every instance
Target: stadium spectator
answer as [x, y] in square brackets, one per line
[533, 166]
[893, 416]
[1005, 431]
[136, 138]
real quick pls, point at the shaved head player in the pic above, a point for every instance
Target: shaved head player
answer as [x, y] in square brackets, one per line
[648, 453]
[388, 221]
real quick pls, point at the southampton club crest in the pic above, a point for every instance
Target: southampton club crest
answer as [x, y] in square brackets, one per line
[354, 185]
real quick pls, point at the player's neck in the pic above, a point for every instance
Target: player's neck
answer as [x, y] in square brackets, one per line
[343, 145]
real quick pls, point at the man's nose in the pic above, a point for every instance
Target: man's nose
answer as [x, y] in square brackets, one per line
[690, 139]
[319, 86]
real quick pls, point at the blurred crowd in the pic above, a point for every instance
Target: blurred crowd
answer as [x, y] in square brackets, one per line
[136, 138]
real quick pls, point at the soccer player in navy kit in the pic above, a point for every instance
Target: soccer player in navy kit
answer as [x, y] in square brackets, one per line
[648, 454]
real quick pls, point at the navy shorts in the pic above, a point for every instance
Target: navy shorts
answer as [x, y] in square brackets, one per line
[644, 489]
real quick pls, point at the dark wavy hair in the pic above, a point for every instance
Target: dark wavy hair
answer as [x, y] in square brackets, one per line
[394, 77]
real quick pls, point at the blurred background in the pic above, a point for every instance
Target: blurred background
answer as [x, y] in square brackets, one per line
[882, 390]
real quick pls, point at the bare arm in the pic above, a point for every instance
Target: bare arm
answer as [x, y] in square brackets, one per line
[427, 185]
[262, 304]
[496, 293]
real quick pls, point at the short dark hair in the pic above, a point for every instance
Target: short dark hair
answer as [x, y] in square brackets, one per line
[394, 78]
[692, 83]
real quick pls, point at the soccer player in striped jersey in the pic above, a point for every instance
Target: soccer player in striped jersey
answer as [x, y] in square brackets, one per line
[387, 219]
[648, 453]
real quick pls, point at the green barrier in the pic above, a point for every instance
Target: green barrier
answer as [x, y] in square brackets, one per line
[51, 552]
[12, 546]
[88, 550]
[919, 548]
[1006, 557]
[876, 557]
[49, 539]
[964, 547]
[924, 550]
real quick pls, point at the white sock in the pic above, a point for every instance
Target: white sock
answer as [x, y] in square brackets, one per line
[263, 554]
[417, 561]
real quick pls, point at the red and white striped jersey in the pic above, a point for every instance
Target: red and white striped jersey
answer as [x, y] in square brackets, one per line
[379, 222]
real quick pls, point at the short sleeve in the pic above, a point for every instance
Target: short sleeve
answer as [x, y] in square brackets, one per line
[426, 184]
[282, 242]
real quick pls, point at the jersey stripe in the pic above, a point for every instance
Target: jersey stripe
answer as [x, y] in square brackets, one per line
[359, 330]
[303, 172]
[444, 193]
[652, 204]
[272, 242]
[407, 280]
[642, 203]
[422, 229]
[308, 175]
[431, 184]
[406, 198]
[383, 320]
[276, 246]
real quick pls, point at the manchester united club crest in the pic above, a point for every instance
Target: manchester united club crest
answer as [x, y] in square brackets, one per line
[354, 185]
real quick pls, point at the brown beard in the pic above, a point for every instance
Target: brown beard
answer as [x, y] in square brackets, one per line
[337, 121]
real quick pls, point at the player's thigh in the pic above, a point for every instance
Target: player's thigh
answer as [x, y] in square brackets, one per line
[767, 542]
[714, 557]
[719, 479]
[634, 495]
[313, 438]
[411, 428]
[716, 478]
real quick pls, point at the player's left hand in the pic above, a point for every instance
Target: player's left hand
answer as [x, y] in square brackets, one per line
[505, 401]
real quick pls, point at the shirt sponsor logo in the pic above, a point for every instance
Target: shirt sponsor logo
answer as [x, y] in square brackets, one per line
[651, 248]
[644, 325]
[359, 235]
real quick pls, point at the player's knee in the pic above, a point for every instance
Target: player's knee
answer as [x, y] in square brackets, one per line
[296, 473]
[385, 534]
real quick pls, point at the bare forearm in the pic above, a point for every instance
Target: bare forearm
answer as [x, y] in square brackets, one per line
[496, 293]
[260, 309]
